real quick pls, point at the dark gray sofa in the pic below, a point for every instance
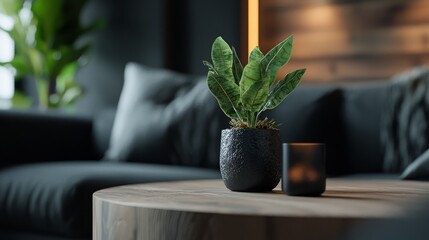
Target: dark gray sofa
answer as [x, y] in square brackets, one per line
[51, 163]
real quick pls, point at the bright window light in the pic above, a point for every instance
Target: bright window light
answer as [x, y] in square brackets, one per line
[7, 46]
[6, 83]
[7, 52]
[6, 22]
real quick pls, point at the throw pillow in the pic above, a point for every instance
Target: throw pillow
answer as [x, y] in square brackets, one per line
[167, 118]
[405, 125]
[419, 169]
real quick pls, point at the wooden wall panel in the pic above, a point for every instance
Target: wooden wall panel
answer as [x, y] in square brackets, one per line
[339, 43]
[353, 69]
[368, 14]
[348, 40]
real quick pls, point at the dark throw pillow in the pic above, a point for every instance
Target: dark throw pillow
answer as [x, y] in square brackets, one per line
[167, 118]
[405, 125]
[418, 169]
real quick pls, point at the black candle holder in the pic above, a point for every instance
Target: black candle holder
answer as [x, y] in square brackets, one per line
[303, 172]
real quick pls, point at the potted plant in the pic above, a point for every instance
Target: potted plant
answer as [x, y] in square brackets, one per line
[250, 149]
[46, 34]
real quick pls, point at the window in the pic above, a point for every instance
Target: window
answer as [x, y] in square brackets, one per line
[7, 49]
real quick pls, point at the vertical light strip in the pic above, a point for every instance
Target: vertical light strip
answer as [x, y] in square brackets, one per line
[253, 24]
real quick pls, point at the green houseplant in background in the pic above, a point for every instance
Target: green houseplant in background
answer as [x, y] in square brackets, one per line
[250, 150]
[46, 35]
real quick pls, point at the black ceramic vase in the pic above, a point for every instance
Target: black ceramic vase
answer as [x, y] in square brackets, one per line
[250, 159]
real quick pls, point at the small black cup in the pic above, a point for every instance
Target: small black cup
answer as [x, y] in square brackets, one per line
[303, 172]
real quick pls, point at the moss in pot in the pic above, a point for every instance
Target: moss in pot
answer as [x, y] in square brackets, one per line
[250, 149]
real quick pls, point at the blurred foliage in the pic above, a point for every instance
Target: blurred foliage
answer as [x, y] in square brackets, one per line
[46, 35]
[20, 100]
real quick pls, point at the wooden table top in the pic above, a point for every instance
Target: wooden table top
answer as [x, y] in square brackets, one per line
[343, 198]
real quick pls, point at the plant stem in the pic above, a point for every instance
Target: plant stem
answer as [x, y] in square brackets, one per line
[257, 116]
[252, 119]
[238, 114]
[41, 92]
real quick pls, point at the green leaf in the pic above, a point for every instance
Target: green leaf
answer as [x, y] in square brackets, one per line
[19, 100]
[222, 59]
[252, 71]
[277, 58]
[67, 88]
[35, 59]
[50, 19]
[68, 55]
[10, 7]
[226, 92]
[255, 97]
[66, 77]
[283, 88]
[237, 67]
[20, 66]
[71, 94]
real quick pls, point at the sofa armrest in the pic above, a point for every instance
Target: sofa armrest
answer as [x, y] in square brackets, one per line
[32, 136]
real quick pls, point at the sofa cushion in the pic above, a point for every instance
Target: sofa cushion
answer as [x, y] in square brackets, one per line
[362, 107]
[57, 197]
[311, 113]
[167, 118]
[34, 136]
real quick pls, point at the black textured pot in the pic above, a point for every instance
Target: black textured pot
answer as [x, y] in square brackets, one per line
[250, 159]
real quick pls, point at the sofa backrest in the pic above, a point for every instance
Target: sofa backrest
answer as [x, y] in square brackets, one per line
[311, 113]
[361, 116]
[346, 118]
[102, 129]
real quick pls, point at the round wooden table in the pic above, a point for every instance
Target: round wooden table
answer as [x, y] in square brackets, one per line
[207, 210]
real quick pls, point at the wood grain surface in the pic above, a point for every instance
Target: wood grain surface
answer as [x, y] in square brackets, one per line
[207, 210]
[342, 40]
